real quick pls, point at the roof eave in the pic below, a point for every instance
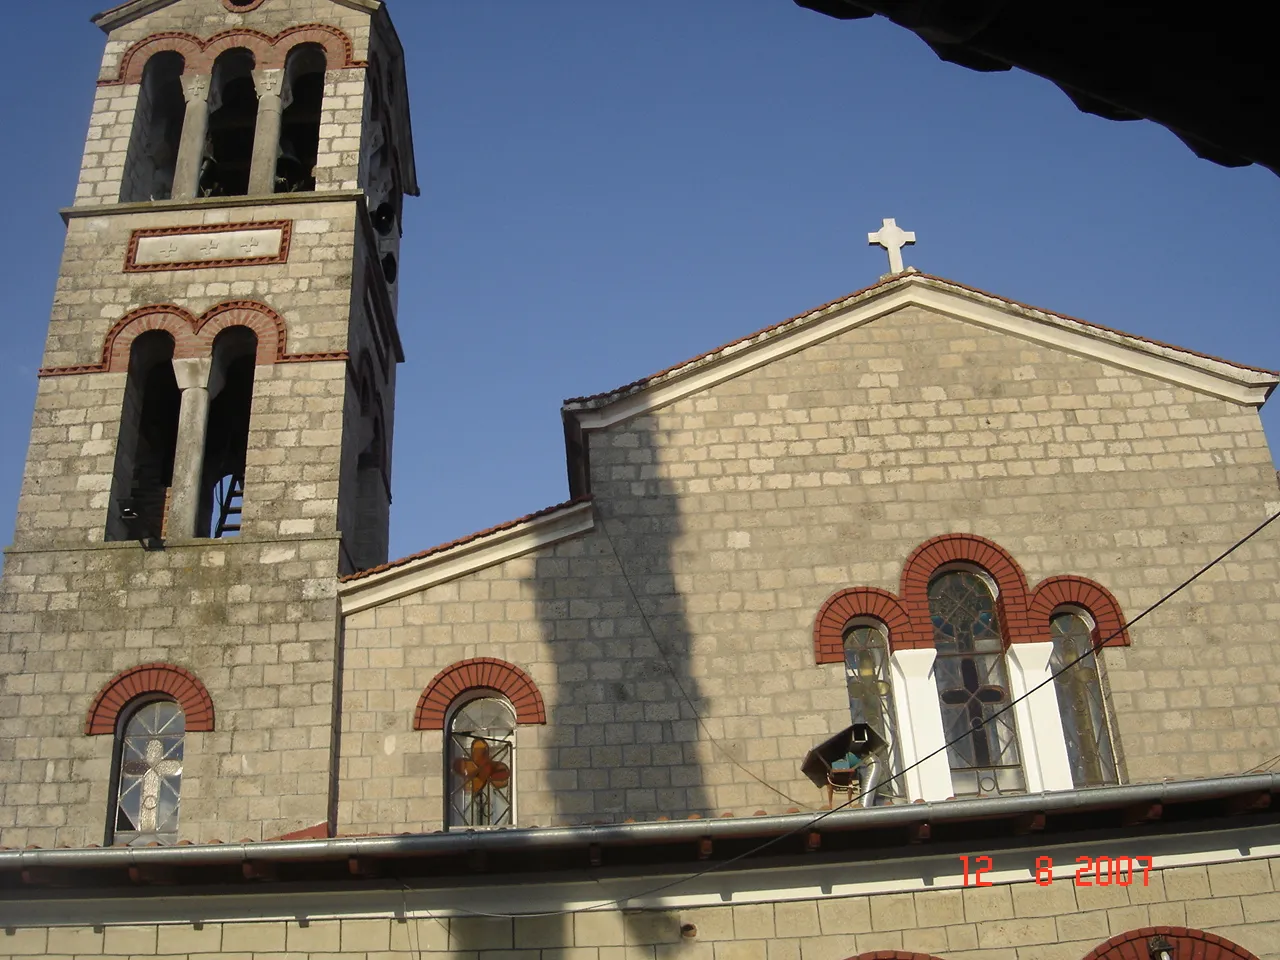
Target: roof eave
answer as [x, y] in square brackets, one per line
[1213, 798]
[126, 13]
[1212, 375]
[463, 557]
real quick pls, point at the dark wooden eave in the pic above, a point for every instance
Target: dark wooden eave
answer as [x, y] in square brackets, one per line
[1208, 74]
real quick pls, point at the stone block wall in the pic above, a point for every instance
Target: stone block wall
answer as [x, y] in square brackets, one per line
[738, 511]
[253, 619]
[1235, 901]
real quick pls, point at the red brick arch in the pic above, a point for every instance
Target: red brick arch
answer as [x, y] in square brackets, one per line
[893, 955]
[193, 336]
[964, 548]
[269, 52]
[840, 608]
[1055, 592]
[1187, 944]
[183, 685]
[481, 673]
[1024, 614]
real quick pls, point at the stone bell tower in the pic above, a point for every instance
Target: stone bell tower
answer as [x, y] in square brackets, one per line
[212, 435]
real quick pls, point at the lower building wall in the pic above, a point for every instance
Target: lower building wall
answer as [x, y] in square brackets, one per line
[1237, 901]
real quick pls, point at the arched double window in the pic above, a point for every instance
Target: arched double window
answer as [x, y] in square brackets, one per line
[973, 685]
[480, 758]
[148, 773]
[1078, 684]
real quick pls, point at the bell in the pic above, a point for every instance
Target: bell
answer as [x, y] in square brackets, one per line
[290, 171]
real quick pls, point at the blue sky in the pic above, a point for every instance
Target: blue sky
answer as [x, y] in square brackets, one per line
[612, 188]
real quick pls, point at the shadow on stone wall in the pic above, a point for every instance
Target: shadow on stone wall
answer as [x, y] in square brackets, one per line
[622, 740]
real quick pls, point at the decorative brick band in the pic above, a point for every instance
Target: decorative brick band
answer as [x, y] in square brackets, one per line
[483, 673]
[840, 608]
[183, 685]
[193, 336]
[1056, 592]
[269, 53]
[1024, 615]
[924, 562]
[285, 227]
[1187, 944]
[893, 955]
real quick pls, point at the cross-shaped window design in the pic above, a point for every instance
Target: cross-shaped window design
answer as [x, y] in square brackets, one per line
[150, 775]
[973, 686]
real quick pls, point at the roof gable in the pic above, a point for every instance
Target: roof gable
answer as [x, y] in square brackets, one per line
[126, 13]
[1238, 383]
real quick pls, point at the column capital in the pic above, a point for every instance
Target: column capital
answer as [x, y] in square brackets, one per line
[268, 83]
[192, 373]
[195, 87]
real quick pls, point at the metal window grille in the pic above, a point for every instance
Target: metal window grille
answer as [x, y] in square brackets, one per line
[150, 775]
[973, 686]
[481, 764]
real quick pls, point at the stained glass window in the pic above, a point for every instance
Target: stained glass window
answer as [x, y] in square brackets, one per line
[973, 686]
[866, 660]
[150, 775]
[1084, 717]
[481, 747]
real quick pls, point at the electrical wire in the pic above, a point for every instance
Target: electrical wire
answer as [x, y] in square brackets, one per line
[722, 864]
[1265, 766]
[676, 677]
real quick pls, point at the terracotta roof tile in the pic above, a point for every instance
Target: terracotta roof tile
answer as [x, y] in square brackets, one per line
[440, 548]
[598, 398]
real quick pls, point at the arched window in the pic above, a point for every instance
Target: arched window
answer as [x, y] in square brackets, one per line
[1080, 701]
[973, 685]
[235, 353]
[157, 131]
[874, 735]
[233, 121]
[303, 101]
[148, 774]
[146, 442]
[480, 753]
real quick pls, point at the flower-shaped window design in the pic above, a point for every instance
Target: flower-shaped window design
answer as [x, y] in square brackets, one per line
[973, 686]
[481, 746]
[1084, 714]
[149, 764]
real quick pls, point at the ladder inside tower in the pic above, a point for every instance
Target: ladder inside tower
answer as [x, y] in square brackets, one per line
[231, 506]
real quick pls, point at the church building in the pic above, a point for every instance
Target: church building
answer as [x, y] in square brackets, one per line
[922, 625]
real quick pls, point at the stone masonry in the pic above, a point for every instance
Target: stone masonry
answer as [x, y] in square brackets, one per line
[252, 617]
[738, 510]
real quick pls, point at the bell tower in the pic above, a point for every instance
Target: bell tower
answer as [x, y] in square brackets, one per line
[211, 447]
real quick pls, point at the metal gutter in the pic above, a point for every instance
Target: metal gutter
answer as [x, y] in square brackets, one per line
[629, 834]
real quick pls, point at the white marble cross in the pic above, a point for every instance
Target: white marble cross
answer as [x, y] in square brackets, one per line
[893, 238]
